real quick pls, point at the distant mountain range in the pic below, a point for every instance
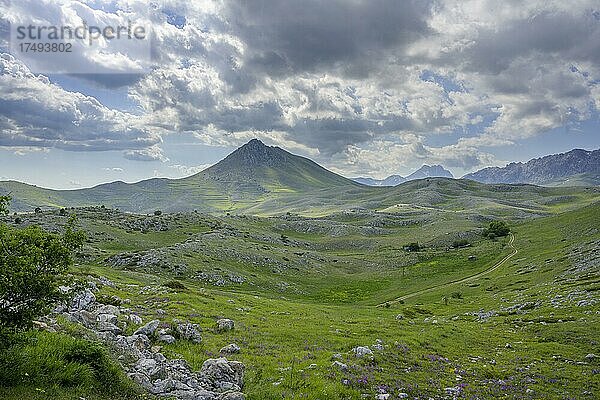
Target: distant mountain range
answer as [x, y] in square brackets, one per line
[265, 180]
[574, 168]
[426, 171]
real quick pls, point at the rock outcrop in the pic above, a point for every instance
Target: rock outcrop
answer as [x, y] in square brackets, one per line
[218, 379]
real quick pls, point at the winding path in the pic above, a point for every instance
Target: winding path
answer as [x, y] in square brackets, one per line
[462, 280]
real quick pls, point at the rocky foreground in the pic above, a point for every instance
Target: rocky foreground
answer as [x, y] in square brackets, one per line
[139, 354]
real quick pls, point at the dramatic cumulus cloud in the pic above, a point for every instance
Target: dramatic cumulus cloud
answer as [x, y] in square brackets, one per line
[358, 85]
[35, 113]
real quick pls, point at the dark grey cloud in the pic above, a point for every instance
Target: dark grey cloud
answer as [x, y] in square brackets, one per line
[288, 37]
[338, 75]
[568, 36]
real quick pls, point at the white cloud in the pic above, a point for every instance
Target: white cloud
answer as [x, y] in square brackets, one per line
[35, 113]
[364, 95]
[153, 153]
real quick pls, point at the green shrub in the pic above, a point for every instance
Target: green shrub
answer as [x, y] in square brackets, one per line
[176, 285]
[414, 246]
[460, 243]
[496, 229]
[33, 264]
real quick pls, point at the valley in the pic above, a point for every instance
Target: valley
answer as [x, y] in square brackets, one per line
[336, 289]
[304, 292]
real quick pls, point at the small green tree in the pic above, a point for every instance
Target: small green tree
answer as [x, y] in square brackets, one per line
[496, 229]
[33, 264]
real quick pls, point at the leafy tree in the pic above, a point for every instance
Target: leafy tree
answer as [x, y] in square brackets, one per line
[33, 264]
[496, 229]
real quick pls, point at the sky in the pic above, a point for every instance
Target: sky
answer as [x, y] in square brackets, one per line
[363, 87]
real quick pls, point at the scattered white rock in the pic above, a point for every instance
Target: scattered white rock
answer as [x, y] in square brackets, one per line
[230, 349]
[362, 351]
[82, 300]
[187, 331]
[148, 329]
[225, 324]
[340, 365]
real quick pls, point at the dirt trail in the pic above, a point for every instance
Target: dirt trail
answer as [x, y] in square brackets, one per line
[462, 280]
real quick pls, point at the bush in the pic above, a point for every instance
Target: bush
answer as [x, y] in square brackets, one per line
[460, 243]
[414, 246]
[176, 285]
[496, 229]
[33, 264]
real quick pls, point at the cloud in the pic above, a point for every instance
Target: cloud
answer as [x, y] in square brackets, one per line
[284, 38]
[35, 113]
[153, 153]
[187, 170]
[118, 60]
[359, 84]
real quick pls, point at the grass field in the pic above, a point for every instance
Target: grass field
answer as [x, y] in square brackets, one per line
[304, 291]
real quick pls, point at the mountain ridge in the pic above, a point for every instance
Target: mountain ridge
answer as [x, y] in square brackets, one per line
[426, 171]
[575, 167]
[267, 180]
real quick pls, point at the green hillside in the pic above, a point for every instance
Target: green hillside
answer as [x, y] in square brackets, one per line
[262, 180]
[304, 291]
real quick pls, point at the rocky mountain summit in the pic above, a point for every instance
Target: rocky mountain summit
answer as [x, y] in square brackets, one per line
[426, 171]
[564, 168]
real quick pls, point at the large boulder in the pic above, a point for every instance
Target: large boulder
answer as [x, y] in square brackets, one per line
[149, 367]
[148, 329]
[222, 375]
[362, 352]
[230, 349]
[83, 300]
[108, 309]
[225, 324]
[110, 318]
[165, 338]
[232, 396]
[187, 331]
[108, 327]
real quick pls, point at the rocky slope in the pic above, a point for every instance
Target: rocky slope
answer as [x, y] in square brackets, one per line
[140, 353]
[575, 167]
